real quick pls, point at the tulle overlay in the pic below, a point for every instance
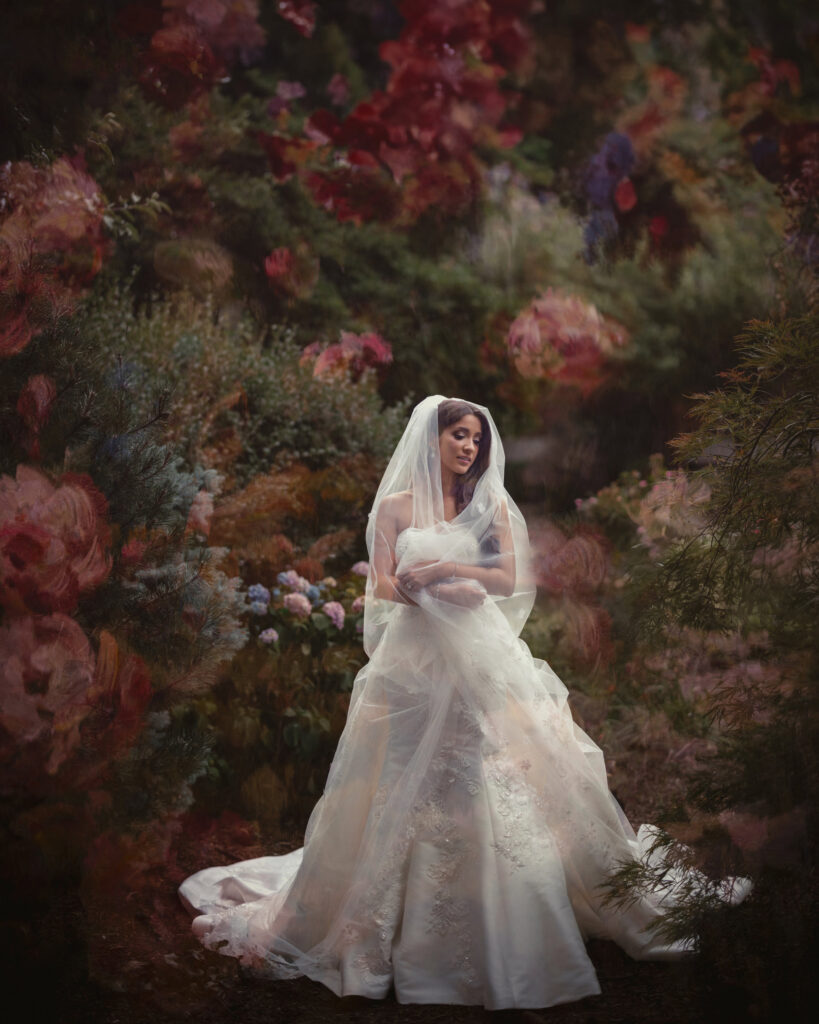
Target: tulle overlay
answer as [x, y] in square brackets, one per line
[465, 827]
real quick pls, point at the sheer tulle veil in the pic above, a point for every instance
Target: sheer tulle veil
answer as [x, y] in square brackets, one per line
[491, 519]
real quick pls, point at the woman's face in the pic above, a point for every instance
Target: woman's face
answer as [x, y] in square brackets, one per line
[459, 443]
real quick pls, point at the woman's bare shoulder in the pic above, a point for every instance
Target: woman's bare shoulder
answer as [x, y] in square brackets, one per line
[397, 508]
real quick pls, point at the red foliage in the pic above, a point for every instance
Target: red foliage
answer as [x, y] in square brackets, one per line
[51, 244]
[53, 541]
[301, 13]
[286, 155]
[443, 99]
[198, 41]
[353, 354]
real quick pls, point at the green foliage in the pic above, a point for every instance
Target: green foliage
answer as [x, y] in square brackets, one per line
[752, 570]
[221, 379]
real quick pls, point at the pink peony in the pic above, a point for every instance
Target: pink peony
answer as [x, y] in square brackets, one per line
[46, 678]
[53, 541]
[562, 338]
[361, 569]
[335, 612]
[298, 605]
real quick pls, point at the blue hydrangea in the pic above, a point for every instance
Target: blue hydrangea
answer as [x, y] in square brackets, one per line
[258, 607]
[313, 593]
[258, 593]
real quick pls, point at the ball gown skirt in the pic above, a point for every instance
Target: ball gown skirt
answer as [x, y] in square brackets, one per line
[465, 828]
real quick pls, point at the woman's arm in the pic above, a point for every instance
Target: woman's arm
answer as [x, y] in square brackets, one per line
[496, 579]
[387, 584]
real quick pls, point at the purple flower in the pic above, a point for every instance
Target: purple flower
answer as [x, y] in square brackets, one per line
[334, 612]
[361, 568]
[258, 607]
[292, 580]
[298, 605]
[358, 605]
[257, 592]
[268, 636]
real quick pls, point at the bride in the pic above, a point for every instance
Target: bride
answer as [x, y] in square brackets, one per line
[466, 824]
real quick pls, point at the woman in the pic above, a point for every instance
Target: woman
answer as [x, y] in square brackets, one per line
[466, 824]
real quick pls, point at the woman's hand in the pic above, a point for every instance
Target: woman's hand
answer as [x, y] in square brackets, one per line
[468, 595]
[423, 574]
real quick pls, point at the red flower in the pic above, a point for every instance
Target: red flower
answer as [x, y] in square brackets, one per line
[624, 195]
[53, 541]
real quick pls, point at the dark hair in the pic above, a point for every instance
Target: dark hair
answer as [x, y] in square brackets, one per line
[450, 411]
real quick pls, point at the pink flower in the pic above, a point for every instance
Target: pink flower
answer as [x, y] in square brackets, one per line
[357, 605]
[46, 675]
[563, 338]
[268, 636]
[53, 541]
[298, 605]
[361, 569]
[292, 580]
[335, 612]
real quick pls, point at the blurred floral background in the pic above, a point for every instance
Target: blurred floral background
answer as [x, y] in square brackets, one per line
[239, 239]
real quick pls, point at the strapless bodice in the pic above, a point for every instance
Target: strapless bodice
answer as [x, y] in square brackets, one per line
[453, 543]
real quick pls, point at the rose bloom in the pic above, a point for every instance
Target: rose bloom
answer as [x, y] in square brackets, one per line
[298, 605]
[335, 612]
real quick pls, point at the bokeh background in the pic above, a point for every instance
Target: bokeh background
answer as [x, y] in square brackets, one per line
[238, 240]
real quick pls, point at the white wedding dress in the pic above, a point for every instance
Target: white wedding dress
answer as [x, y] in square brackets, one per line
[464, 831]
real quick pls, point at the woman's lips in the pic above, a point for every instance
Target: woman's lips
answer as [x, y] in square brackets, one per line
[465, 461]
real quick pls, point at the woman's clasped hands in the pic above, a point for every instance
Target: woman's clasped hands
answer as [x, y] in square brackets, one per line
[439, 579]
